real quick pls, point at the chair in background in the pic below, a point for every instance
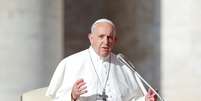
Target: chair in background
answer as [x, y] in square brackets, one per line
[36, 95]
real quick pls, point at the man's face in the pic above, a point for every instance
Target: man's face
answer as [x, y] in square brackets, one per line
[103, 39]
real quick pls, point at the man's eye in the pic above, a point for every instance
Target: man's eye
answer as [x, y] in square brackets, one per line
[101, 36]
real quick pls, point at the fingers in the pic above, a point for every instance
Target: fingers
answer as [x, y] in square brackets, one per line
[83, 89]
[80, 84]
[79, 88]
[150, 92]
[151, 96]
[78, 81]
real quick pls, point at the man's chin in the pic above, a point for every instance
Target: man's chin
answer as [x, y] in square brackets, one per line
[105, 54]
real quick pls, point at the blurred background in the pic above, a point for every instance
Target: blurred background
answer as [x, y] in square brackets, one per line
[161, 37]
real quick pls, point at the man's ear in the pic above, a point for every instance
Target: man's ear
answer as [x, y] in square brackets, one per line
[90, 37]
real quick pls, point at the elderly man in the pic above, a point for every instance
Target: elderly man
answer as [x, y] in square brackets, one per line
[95, 74]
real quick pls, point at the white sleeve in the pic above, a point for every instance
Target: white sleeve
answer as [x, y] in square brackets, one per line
[140, 84]
[141, 87]
[56, 80]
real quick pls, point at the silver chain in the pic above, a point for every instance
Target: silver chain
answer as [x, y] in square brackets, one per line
[104, 86]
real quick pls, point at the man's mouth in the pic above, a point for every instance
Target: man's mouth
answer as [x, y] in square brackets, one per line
[105, 47]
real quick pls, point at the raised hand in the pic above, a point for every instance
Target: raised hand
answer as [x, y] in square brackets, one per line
[151, 96]
[78, 89]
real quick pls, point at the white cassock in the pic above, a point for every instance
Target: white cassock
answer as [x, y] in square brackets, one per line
[109, 73]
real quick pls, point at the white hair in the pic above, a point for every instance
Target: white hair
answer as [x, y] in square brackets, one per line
[103, 20]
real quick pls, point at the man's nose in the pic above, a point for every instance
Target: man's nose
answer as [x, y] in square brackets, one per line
[106, 40]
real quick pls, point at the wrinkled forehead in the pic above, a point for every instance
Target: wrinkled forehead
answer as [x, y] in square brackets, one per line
[103, 28]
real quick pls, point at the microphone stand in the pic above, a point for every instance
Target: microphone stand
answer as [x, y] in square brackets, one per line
[132, 68]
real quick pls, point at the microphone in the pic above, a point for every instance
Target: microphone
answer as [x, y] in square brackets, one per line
[129, 64]
[125, 61]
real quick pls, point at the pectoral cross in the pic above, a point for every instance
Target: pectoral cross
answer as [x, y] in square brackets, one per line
[103, 97]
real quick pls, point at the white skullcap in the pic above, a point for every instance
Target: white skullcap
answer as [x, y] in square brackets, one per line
[101, 21]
